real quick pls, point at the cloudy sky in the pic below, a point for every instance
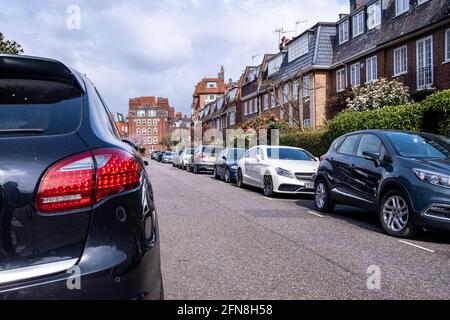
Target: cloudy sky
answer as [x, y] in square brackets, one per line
[131, 48]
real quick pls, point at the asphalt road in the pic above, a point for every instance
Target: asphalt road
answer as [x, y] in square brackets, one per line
[221, 242]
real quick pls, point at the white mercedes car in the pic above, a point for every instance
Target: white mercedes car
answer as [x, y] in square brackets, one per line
[278, 170]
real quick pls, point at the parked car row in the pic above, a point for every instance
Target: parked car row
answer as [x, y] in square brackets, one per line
[404, 177]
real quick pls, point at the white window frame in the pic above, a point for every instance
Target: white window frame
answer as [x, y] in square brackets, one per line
[376, 14]
[358, 23]
[447, 45]
[144, 122]
[419, 2]
[307, 123]
[403, 62]
[266, 102]
[273, 100]
[138, 122]
[295, 89]
[286, 93]
[138, 132]
[307, 80]
[344, 32]
[232, 118]
[144, 131]
[155, 140]
[341, 85]
[355, 77]
[211, 85]
[401, 7]
[370, 70]
[426, 85]
[155, 131]
[245, 108]
[155, 122]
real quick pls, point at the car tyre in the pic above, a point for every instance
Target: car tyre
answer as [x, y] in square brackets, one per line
[228, 176]
[322, 198]
[268, 186]
[215, 174]
[240, 179]
[395, 213]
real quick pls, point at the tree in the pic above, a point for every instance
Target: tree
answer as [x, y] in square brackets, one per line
[9, 47]
[379, 94]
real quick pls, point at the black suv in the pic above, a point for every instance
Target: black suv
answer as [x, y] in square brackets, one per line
[77, 217]
[403, 176]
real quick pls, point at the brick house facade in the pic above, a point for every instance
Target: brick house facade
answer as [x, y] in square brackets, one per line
[151, 121]
[407, 42]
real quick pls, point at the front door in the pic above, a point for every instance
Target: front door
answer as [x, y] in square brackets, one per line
[425, 63]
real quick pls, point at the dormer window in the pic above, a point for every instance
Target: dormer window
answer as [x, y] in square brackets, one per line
[358, 24]
[343, 32]
[211, 85]
[298, 48]
[374, 15]
[401, 6]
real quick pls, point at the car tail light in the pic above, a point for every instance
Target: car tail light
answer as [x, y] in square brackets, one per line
[322, 158]
[80, 182]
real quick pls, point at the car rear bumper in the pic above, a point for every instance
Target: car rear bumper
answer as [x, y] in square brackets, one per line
[117, 263]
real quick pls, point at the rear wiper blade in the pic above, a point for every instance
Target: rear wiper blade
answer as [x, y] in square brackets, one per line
[21, 131]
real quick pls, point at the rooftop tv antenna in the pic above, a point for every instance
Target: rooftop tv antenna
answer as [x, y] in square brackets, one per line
[253, 58]
[297, 23]
[281, 31]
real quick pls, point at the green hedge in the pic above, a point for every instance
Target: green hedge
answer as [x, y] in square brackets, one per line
[406, 117]
[317, 142]
[431, 115]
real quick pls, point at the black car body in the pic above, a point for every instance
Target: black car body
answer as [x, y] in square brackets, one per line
[403, 176]
[76, 204]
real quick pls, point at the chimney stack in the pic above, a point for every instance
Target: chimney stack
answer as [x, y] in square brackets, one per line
[342, 16]
[222, 73]
[356, 4]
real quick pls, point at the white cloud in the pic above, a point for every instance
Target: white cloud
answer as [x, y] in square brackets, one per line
[162, 48]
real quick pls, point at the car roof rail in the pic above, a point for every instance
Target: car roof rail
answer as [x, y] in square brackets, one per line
[27, 67]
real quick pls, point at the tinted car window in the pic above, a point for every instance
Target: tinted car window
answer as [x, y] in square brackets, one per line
[44, 106]
[369, 143]
[420, 145]
[289, 154]
[348, 145]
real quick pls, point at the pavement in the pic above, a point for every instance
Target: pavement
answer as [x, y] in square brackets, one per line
[222, 242]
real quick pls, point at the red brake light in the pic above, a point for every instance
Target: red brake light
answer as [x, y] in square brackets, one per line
[117, 171]
[79, 182]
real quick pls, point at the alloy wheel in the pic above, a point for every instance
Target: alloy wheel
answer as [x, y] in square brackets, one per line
[268, 186]
[396, 213]
[227, 176]
[320, 195]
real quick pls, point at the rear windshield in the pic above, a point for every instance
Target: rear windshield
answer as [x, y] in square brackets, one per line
[38, 107]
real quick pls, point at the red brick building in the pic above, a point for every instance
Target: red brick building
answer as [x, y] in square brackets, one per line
[407, 40]
[208, 90]
[150, 121]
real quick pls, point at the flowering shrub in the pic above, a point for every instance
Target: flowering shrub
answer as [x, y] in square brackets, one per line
[379, 94]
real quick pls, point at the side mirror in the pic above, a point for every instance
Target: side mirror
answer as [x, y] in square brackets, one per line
[373, 157]
[317, 159]
[224, 158]
[146, 163]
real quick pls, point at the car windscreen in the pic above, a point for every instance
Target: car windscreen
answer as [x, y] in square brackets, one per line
[288, 154]
[38, 107]
[189, 151]
[412, 145]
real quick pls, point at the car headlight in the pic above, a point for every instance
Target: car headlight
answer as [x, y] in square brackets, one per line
[284, 173]
[234, 167]
[437, 179]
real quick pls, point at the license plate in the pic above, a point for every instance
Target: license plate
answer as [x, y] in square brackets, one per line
[212, 158]
[309, 185]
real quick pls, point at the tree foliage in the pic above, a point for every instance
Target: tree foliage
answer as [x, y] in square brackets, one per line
[9, 47]
[379, 94]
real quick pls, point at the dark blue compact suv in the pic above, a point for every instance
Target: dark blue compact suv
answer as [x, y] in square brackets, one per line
[77, 216]
[404, 176]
